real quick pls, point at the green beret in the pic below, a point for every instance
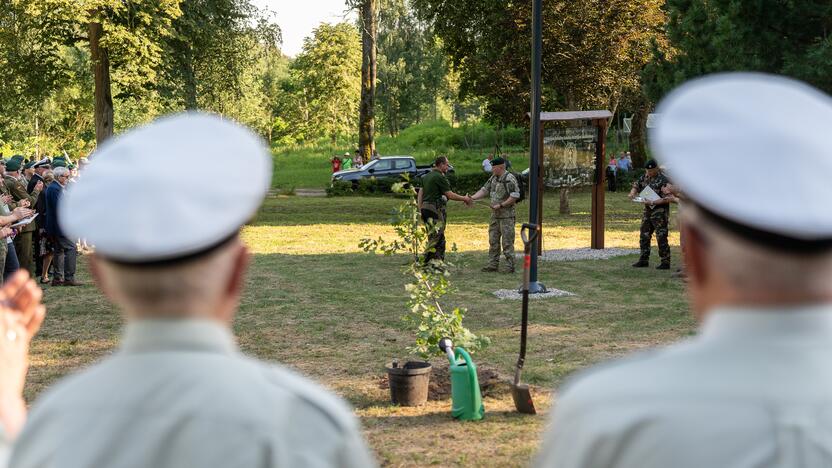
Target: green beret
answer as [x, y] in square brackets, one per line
[29, 165]
[650, 164]
[71, 166]
[18, 157]
[497, 161]
[58, 162]
[13, 165]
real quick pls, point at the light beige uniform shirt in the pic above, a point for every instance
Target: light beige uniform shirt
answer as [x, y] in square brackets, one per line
[180, 395]
[753, 389]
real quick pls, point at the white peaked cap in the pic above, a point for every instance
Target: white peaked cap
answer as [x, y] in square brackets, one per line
[752, 148]
[167, 190]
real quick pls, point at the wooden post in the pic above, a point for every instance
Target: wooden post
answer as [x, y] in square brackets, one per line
[598, 193]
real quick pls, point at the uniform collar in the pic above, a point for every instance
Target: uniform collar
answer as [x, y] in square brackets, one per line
[177, 335]
[804, 323]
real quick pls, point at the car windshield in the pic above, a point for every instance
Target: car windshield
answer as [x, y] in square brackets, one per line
[370, 164]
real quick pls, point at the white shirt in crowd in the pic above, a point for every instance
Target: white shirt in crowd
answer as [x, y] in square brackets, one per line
[179, 394]
[754, 389]
[486, 165]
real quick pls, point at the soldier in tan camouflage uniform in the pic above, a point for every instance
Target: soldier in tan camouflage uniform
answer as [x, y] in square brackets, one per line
[504, 191]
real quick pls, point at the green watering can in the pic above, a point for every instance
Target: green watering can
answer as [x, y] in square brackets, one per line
[465, 387]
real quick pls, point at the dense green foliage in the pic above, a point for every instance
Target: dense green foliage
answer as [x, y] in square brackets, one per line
[791, 38]
[320, 95]
[593, 51]
[415, 83]
[164, 56]
[438, 61]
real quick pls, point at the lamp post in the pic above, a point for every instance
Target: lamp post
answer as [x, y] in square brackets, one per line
[535, 142]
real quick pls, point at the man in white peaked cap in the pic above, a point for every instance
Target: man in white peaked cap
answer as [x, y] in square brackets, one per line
[754, 387]
[178, 393]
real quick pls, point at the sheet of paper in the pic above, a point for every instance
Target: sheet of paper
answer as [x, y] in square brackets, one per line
[650, 195]
[25, 221]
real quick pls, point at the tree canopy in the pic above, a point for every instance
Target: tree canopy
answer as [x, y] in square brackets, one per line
[593, 50]
[792, 38]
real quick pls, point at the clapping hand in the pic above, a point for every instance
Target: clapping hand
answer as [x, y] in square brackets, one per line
[21, 212]
[21, 314]
[39, 185]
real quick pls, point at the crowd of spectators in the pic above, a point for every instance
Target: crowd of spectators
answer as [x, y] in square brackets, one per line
[33, 239]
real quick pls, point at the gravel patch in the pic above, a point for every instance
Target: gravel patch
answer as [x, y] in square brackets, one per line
[514, 295]
[571, 255]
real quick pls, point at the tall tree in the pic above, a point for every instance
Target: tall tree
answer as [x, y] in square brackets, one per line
[214, 44]
[326, 77]
[413, 69]
[368, 23]
[123, 36]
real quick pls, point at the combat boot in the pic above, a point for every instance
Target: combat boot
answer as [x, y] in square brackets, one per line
[663, 266]
[641, 263]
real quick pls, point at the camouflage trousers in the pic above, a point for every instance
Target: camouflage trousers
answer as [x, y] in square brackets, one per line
[654, 221]
[501, 235]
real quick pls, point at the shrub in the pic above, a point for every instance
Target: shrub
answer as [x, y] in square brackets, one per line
[468, 183]
[339, 188]
[442, 136]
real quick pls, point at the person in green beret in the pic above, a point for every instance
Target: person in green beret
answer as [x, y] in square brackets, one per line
[28, 172]
[16, 185]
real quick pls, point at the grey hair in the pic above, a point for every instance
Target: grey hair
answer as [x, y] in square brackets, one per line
[60, 171]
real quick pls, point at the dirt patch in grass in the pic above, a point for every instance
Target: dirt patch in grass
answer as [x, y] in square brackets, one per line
[492, 384]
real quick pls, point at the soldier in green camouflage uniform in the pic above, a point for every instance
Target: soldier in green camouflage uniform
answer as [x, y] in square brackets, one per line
[16, 187]
[655, 217]
[504, 191]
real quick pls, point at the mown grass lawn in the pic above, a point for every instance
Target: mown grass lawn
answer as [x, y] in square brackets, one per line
[318, 304]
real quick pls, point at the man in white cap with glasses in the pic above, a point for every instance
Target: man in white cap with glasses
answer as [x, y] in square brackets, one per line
[178, 393]
[754, 387]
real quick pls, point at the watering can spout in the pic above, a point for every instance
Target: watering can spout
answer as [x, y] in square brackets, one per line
[447, 347]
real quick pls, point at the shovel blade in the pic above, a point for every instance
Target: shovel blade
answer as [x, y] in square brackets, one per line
[522, 398]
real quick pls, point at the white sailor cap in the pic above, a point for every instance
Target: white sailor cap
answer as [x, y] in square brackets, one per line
[43, 162]
[170, 190]
[752, 150]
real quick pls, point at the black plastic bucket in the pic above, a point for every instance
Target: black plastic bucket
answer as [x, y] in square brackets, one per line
[409, 383]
